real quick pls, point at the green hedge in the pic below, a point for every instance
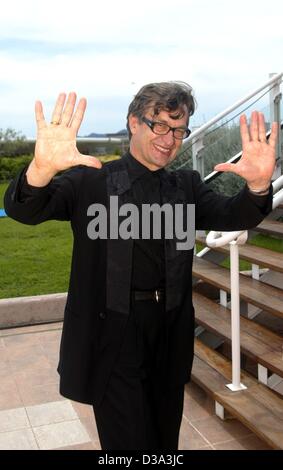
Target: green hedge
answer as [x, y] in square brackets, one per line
[10, 166]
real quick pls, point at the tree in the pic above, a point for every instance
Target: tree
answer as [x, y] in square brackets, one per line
[13, 143]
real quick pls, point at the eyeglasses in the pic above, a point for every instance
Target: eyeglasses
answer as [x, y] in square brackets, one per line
[160, 128]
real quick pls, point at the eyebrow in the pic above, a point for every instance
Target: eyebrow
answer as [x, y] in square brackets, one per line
[162, 121]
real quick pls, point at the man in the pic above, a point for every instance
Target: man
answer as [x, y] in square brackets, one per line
[128, 334]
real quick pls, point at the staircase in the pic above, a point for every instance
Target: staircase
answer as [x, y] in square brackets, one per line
[259, 407]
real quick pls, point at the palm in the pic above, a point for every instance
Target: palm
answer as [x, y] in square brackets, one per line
[258, 158]
[56, 148]
[257, 163]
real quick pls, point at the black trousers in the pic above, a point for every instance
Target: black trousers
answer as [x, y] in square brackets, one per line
[140, 410]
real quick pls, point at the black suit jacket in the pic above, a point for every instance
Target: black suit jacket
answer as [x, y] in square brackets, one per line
[98, 300]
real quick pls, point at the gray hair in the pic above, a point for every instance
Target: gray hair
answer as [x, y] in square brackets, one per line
[163, 96]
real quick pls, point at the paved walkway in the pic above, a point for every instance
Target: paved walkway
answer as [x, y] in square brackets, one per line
[34, 416]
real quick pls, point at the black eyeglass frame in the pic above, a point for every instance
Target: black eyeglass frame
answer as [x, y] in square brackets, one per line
[150, 124]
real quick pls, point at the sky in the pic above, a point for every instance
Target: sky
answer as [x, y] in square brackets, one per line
[107, 50]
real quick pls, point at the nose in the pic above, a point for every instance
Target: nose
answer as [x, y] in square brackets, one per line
[168, 139]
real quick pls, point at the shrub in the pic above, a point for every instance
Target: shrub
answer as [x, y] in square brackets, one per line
[10, 166]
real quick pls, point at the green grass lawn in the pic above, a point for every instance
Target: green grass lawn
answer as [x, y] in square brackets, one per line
[33, 259]
[3, 188]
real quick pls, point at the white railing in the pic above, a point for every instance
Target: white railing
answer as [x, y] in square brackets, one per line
[276, 78]
[234, 239]
[278, 192]
[197, 136]
[217, 239]
[233, 159]
[90, 140]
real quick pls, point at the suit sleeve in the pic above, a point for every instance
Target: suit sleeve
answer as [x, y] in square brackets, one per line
[32, 205]
[218, 212]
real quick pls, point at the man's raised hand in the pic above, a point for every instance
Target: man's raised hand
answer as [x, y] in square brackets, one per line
[257, 163]
[56, 147]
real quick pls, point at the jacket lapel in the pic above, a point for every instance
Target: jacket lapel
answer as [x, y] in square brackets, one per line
[119, 251]
[173, 193]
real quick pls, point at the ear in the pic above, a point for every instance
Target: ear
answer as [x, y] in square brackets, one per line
[133, 123]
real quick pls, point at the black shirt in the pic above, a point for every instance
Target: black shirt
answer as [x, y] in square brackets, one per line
[148, 270]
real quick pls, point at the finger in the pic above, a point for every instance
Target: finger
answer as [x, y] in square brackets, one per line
[79, 114]
[56, 116]
[274, 134]
[69, 109]
[39, 116]
[87, 160]
[226, 167]
[261, 127]
[244, 130]
[254, 126]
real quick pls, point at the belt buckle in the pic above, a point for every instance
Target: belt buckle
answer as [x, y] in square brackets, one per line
[156, 295]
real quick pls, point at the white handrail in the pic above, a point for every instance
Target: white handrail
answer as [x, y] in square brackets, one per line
[89, 139]
[278, 183]
[277, 199]
[216, 239]
[228, 110]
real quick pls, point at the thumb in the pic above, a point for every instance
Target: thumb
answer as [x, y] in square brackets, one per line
[225, 167]
[89, 160]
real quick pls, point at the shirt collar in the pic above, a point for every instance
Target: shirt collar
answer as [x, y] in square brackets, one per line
[137, 169]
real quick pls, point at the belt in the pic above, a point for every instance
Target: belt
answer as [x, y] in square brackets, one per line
[156, 295]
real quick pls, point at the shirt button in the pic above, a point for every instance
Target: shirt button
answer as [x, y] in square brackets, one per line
[102, 315]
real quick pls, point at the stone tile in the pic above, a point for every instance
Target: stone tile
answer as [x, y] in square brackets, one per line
[96, 445]
[53, 412]
[198, 394]
[189, 438]
[90, 425]
[39, 373]
[245, 443]
[50, 345]
[20, 340]
[39, 394]
[5, 368]
[53, 361]
[215, 430]
[51, 350]
[11, 420]
[58, 435]
[83, 410]
[24, 358]
[9, 394]
[197, 407]
[3, 350]
[50, 337]
[18, 440]
[31, 329]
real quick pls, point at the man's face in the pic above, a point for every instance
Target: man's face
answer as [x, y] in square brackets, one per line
[152, 150]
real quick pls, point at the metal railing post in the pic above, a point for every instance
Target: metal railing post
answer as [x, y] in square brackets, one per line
[235, 318]
[275, 97]
[198, 161]
[214, 240]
